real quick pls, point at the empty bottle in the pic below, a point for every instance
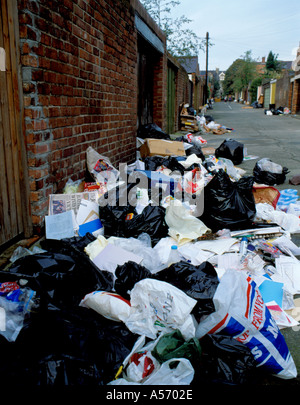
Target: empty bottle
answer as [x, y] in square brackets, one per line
[174, 256]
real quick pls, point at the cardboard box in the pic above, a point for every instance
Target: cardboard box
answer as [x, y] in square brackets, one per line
[189, 123]
[162, 147]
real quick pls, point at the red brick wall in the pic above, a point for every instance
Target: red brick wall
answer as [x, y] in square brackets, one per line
[79, 72]
[295, 104]
[182, 94]
[160, 93]
[282, 91]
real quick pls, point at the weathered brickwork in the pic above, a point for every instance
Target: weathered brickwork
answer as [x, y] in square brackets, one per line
[295, 104]
[79, 62]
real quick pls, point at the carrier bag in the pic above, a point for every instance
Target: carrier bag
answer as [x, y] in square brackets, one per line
[242, 314]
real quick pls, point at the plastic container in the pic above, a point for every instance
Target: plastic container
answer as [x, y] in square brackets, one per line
[243, 247]
[174, 256]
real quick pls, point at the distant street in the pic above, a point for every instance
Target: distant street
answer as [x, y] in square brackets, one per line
[276, 137]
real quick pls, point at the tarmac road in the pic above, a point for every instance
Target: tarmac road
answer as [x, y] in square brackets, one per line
[276, 137]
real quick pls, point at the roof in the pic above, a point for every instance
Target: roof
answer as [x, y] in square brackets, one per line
[285, 64]
[190, 63]
[211, 73]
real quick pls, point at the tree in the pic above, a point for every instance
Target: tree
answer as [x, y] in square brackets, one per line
[272, 64]
[253, 87]
[216, 87]
[181, 40]
[240, 74]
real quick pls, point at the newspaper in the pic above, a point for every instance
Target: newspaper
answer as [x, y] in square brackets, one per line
[59, 203]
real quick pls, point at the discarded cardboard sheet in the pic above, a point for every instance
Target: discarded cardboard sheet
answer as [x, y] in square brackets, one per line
[161, 147]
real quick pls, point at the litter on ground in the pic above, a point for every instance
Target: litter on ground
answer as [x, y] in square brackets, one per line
[176, 269]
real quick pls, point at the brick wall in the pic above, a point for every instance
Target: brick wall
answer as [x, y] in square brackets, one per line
[79, 78]
[160, 93]
[182, 93]
[282, 91]
[296, 97]
[160, 72]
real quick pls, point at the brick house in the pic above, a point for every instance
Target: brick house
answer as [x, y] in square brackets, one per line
[197, 81]
[77, 73]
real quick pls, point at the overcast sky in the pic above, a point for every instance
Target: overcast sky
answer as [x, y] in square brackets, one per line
[237, 26]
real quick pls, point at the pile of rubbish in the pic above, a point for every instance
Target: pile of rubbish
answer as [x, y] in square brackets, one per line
[277, 111]
[177, 269]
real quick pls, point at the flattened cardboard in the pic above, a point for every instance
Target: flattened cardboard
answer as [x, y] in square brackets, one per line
[162, 147]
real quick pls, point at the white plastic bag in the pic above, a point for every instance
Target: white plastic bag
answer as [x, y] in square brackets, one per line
[141, 246]
[183, 227]
[241, 313]
[289, 222]
[141, 368]
[267, 165]
[167, 374]
[159, 306]
[213, 125]
[100, 168]
[108, 304]
[13, 310]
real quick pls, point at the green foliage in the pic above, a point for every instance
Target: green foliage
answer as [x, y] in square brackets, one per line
[253, 87]
[272, 63]
[181, 40]
[216, 87]
[239, 74]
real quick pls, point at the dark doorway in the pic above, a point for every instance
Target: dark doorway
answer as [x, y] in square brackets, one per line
[147, 59]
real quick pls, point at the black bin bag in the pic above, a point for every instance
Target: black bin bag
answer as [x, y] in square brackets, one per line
[197, 150]
[61, 276]
[127, 275]
[228, 204]
[225, 361]
[232, 150]
[120, 218]
[198, 282]
[62, 343]
[76, 347]
[270, 177]
[152, 131]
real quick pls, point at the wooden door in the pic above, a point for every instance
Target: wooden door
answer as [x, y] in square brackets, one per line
[14, 194]
[171, 100]
[267, 97]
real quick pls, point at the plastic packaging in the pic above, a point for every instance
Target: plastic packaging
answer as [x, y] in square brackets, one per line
[228, 204]
[183, 227]
[242, 314]
[294, 208]
[198, 282]
[152, 131]
[287, 197]
[108, 304]
[173, 345]
[232, 150]
[243, 247]
[100, 168]
[267, 172]
[174, 256]
[226, 361]
[177, 371]
[156, 306]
